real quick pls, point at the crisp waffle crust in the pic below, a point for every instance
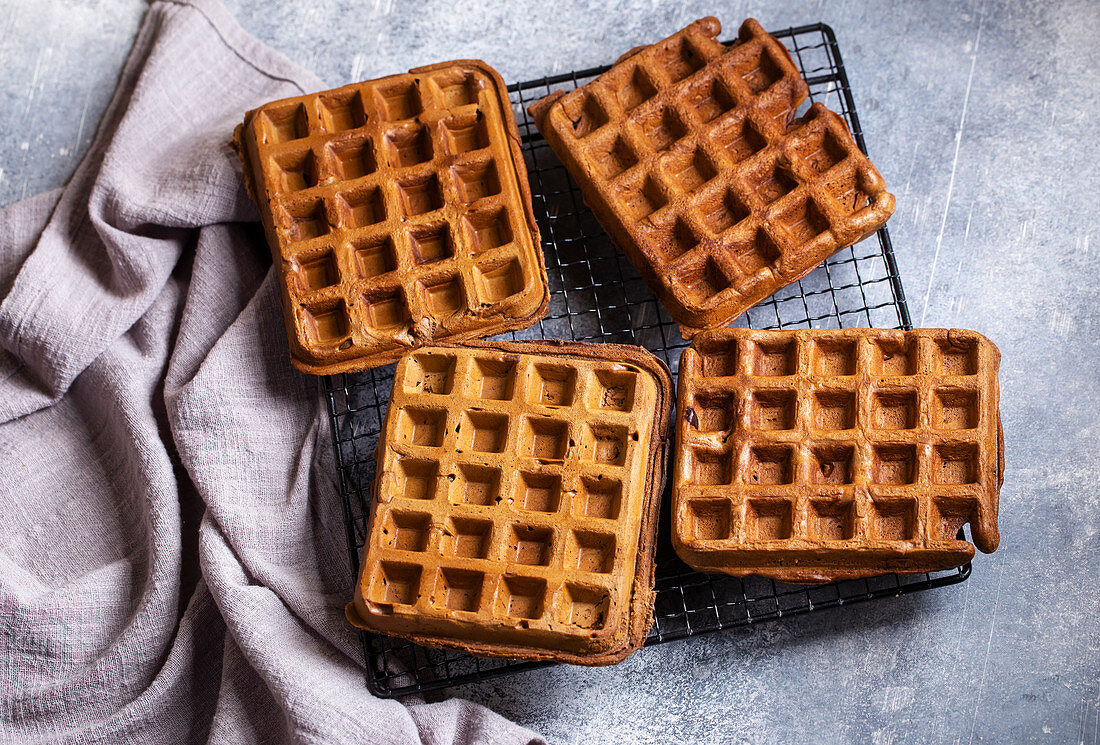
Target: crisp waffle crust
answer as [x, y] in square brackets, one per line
[810, 456]
[398, 213]
[691, 158]
[516, 500]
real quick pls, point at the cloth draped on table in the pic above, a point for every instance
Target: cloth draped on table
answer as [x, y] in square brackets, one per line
[172, 553]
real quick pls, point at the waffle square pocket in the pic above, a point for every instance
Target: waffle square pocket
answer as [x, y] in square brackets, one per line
[398, 213]
[692, 159]
[810, 456]
[515, 506]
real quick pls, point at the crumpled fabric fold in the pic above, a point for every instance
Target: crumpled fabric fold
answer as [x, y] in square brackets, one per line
[172, 556]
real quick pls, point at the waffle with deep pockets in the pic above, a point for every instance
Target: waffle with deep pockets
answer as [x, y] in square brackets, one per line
[810, 456]
[690, 156]
[398, 213]
[515, 507]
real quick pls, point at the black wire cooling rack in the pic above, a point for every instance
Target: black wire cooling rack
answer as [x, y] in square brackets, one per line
[596, 295]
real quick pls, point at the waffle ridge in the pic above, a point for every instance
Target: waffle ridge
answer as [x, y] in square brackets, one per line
[810, 456]
[516, 500]
[398, 212]
[690, 156]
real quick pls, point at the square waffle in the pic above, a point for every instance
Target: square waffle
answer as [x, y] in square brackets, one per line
[690, 156]
[398, 212]
[515, 506]
[811, 456]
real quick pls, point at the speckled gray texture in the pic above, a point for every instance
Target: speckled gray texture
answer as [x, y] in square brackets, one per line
[982, 118]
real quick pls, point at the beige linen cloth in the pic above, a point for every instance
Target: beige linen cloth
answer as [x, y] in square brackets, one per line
[172, 556]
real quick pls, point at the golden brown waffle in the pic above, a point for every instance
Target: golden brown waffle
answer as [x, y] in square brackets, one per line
[516, 501]
[810, 456]
[690, 157]
[398, 212]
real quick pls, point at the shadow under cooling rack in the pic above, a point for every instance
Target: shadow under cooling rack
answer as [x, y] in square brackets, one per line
[596, 295]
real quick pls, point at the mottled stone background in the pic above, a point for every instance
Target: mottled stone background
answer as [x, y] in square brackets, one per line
[982, 117]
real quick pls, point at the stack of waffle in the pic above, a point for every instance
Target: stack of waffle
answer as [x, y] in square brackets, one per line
[516, 501]
[809, 456]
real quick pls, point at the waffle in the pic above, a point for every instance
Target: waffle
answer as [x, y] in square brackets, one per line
[691, 159]
[515, 507]
[398, 212]
[811, 456]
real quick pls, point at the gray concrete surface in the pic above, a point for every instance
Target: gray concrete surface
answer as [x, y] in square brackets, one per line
[982, 118]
